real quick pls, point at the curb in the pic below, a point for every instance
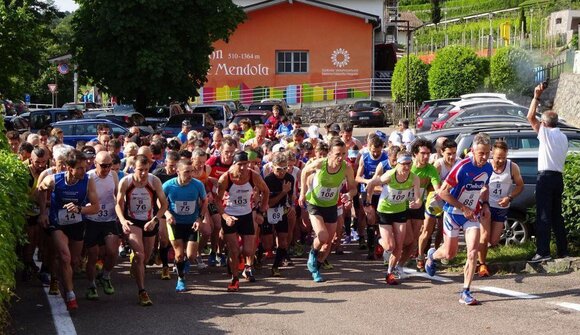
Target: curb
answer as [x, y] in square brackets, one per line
[561, 265]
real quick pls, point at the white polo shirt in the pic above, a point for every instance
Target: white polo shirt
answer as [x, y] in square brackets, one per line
[553, 149]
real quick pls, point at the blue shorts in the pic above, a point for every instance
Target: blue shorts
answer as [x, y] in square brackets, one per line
[452, 223]
[498, 214]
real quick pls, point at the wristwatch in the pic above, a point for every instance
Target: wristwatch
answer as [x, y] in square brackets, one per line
[156, 219]
[511, 198]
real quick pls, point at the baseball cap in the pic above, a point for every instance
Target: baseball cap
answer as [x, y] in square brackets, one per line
[335, 127]
[241, 156]
[186, 123]
[89, 152]
[313, 131]
[278, 147]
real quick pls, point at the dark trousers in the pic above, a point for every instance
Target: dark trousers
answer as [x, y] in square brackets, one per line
[549, 189]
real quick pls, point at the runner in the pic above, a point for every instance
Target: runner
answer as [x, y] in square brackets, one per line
[102, 228]
[137, 210]
[164, 174]
[398, 185]
[281, 186]
[187, 199]
[465, 192]
[70, 192]
[237, 214]
[501, 193]
[321, 198]
[434, 204]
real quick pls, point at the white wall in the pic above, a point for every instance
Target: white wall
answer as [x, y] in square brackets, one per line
[565, 25]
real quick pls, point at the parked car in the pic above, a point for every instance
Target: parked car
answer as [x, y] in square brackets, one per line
[483, 95]
[257, 117]
[199, 122]
[457, 106]
[368, 112]
[85, 129]
[17, 123]
[42, 118]
[128, 119]
[234, 105]
[434, 103]
[81, 106]
[156, 116]
[426, 119]
[220, 113]
[267, 105]
[487, 121]
[516, 138]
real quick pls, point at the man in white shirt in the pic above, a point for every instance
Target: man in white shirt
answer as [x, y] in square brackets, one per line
[550, 184]
[407, 136]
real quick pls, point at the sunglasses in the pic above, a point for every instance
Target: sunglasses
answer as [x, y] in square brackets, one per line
[281, 168]
[105, 166]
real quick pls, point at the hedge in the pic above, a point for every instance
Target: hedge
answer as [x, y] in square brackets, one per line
[418, 80]
[571, 198]
[512, 71]
[13, 203]
[456, 70]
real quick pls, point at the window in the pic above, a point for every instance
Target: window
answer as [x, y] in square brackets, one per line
[292, 62]
[559, 20]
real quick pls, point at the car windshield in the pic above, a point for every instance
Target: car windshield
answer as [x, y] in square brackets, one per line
[216, 112]
[175, 121]
[262, 107]
[366, 104]
[442, 117]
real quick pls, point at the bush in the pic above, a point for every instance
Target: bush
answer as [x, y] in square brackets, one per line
[571, 198]
[512, 71]
[418, 80]
[455, 70]
[13, 203]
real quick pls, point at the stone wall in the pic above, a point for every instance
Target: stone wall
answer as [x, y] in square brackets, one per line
[567, 101]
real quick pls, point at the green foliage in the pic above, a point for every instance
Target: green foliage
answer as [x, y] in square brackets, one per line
[512, 71]
[418, 80]
[454, 71]
[13, 203]
[574, 42]
[457, 8]
[435, 11]
[522, 21]
[150, 50]
[571, 198]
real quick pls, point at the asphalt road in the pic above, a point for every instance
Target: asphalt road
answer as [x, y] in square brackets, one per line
[353, 300]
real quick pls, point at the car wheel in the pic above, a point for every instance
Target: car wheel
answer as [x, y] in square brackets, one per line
[516, 231]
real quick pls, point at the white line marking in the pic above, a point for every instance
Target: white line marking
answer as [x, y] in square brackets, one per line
[507, 292]
[60, 315]
[569, 305]
[414, 273]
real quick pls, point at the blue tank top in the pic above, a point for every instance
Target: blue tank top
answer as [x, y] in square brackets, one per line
[184, 201]
[370, 165]
[62, 195]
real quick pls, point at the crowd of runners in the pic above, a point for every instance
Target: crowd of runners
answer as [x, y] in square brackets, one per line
[231, 199]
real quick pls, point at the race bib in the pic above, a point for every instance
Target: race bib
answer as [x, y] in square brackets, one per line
[275, 214]
[65, 217]
[469, 199]
[327, 193]
[184, 207]
[107, 211]
[239, 201]
[397, 196]
[140, 207]
[499, 190]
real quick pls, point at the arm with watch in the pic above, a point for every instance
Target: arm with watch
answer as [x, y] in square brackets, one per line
[161, 201]
[518, 188]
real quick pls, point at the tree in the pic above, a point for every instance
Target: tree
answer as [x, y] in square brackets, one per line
[455, 70]
[522, 25]
[418, 83]
[435, 11]
[151, 50]
[512, 71]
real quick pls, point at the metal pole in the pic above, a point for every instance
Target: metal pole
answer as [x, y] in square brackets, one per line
[76, 84]
[408, 45]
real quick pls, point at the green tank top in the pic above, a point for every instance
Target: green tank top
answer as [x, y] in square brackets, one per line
[326, 186]
[395, 195]
[428, 175]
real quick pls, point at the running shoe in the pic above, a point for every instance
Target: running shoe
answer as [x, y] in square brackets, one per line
[92, 294]
[276, 272]
[421, 264]
[165, 273]
[72, 305]
[326, 265]
[347, 239]
[223, 260]
[399, 272]
[99, 265]
[144, 299]
[44, 279]
[287, 262]
[180, 287]
[391, 280]
[483, 271]
[212, 260]
[317, 277]
[386, 257]
[430, 266]
[311, 263]
[299, 249]
[379, 250]
[362, 245]
[200, 263]
[444, 261]
[234, 286]
[206, 250]
[465, 297]
[107, 286]
[354, 236]
[186, 266]
[248, 273]
[53, 289]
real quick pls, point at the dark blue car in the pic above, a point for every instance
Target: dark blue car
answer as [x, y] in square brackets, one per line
[85, 129]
